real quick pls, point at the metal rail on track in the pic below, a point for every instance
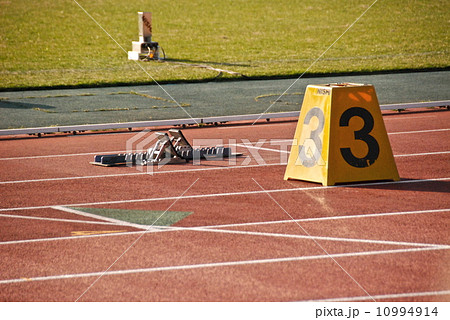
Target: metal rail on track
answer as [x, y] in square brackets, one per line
[194, 121]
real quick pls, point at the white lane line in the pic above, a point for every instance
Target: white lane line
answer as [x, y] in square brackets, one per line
[3, 215]
[142, 173]
[192, 169]
[123, 151]
[75, 178]
[386, 296]
[261, 148]
[421, 154]
[419, 131]
[124, 233]
[226, 194]
[256, 125]
[359, 216]
[308, 237]
[90, 215]
[223, 264]
[204, 228]
[62, 155]
[403, 118]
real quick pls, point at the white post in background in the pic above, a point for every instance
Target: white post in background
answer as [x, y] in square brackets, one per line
[145, 26]
[145, 48]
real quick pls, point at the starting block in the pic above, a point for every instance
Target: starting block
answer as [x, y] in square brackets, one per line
[167, 150]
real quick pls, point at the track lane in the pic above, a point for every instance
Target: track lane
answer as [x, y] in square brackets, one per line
[302, 279]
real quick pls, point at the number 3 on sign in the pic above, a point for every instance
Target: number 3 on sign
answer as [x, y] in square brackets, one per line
[341, 137]
[363, 134]
[311, 150]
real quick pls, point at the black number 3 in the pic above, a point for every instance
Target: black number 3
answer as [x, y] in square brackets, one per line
[363, 135]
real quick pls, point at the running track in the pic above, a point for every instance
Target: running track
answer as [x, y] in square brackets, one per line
[251, 237]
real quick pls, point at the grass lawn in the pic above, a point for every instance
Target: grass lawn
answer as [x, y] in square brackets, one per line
[55, 43]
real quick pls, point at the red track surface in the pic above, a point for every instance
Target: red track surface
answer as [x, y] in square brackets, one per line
[384, 241]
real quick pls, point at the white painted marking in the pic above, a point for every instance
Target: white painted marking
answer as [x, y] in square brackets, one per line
[123, 151]
[140, 173]
[421, 154]
[419, 131]
[90, 215]
[125, 233]
[190, 170]
[386, 296]
[310, 237]
[74, 178]
[216, 227]
[63, 155]
[409, 117]
[261, 148]
[370, 215]
[223, 264]
[3, 215]
[212, 195]
[255, 125]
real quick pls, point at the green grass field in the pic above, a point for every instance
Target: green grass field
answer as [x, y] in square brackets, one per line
[55, 43]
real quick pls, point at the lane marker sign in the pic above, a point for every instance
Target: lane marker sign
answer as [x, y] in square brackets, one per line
[341, 137]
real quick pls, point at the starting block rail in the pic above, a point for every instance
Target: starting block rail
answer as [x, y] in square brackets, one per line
[195, 121]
